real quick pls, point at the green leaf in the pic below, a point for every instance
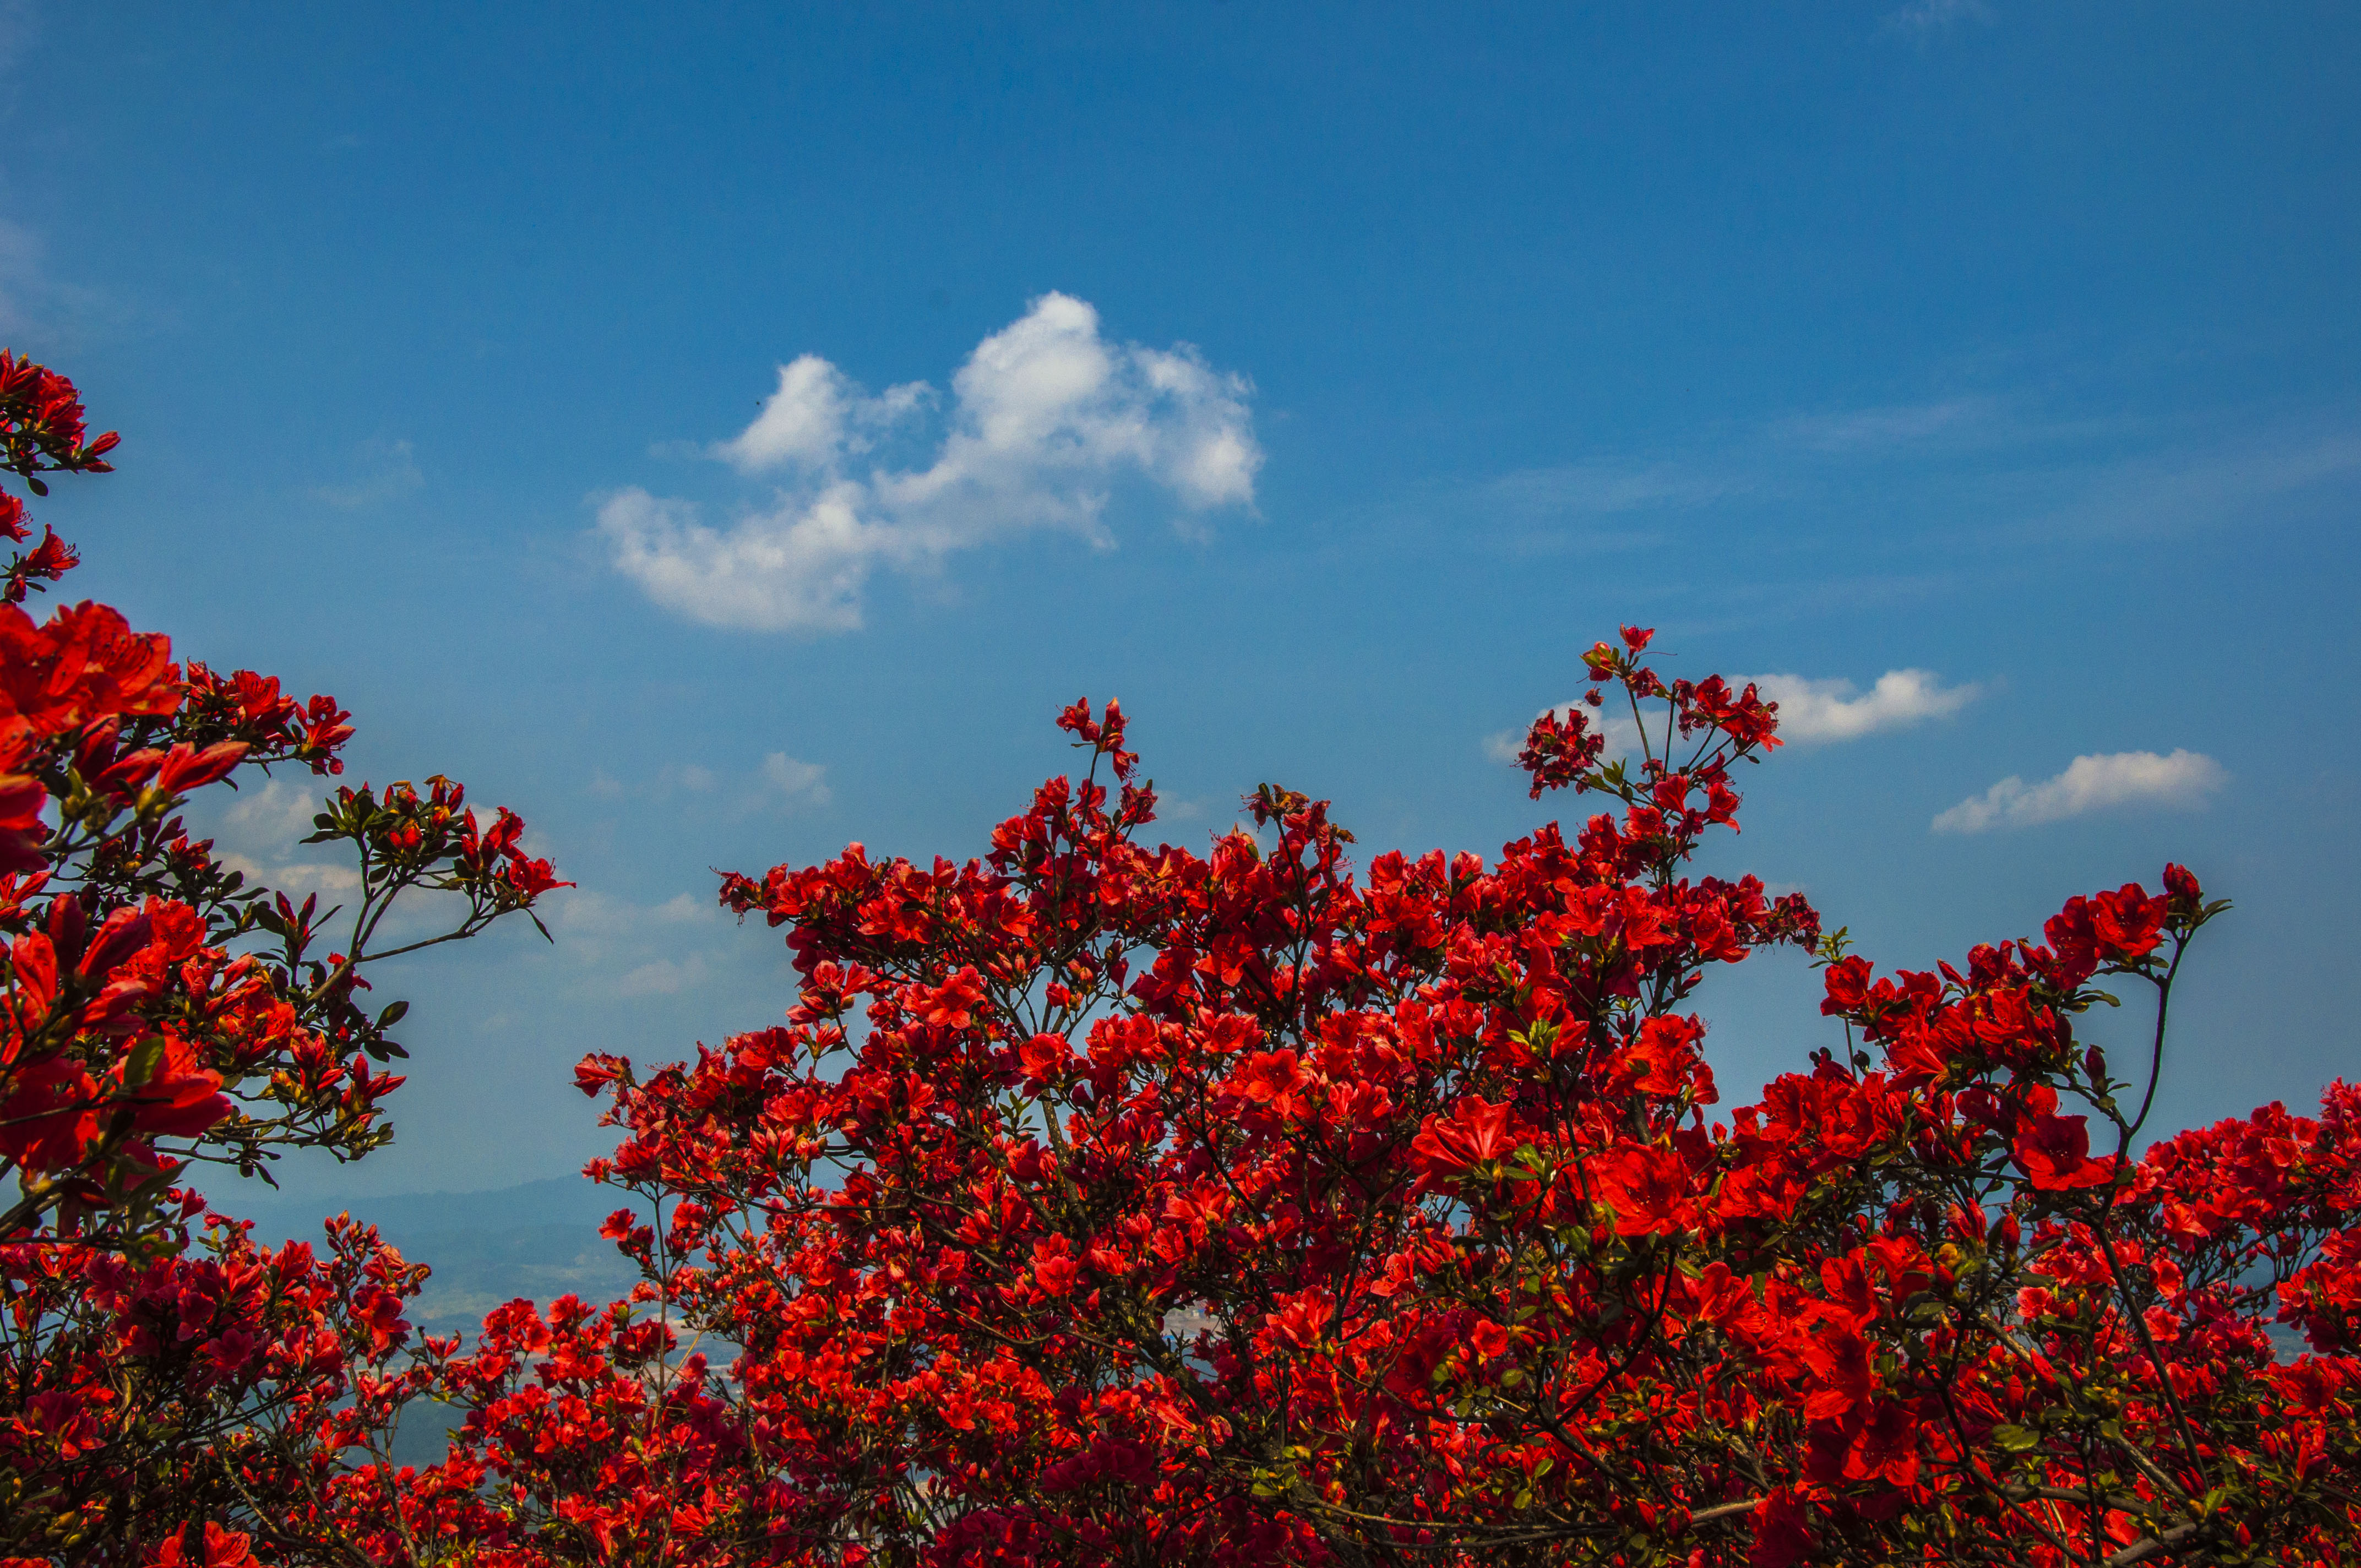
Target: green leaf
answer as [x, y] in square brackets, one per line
[141, 1064]
[2014, 1440]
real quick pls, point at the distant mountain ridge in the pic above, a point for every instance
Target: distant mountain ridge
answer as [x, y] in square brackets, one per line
[556, 1200]
[538, 1239]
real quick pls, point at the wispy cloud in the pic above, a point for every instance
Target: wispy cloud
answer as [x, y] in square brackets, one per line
[600, 919]
[782, 783]
[1964, 484]
[662, 977]
[1607, 488]
[788, 784]
[33, 304]
[1865, 430]
[2257, 480]
[1831, 709]
[1045, 417]
[382, 471]
[277, 814]
[1927, 19]
[261, 832]
[622, 942]
[2184, 779]
[19, 27]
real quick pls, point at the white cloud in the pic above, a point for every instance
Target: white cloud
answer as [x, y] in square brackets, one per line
[1503, 746]
[261, 833]
[279, 812]
[1045, 415]
[296, 879]
[816, 418]
[790, 784]
[2184, 779]
[662, 977]
[1828, 710]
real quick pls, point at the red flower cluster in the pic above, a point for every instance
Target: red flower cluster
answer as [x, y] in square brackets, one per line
[1102, 1202]
[41, 432]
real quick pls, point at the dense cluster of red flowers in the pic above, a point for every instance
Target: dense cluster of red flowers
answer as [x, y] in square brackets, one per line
[1097, 1202]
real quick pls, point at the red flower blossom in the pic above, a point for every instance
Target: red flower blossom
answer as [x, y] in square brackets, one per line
[220, 1549]
[1479, 1133]
[1648, 1191]
[2054, 1153]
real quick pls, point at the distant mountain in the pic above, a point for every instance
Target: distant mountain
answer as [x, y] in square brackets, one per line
[559, 1200]
[539, 1240]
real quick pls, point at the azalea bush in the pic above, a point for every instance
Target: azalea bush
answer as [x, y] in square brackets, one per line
[1104, 1202]
[1099, 1200]
[162, 1014]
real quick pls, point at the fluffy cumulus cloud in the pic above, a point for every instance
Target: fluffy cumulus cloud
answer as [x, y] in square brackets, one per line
[2184, 779]
[1043, 419]
[1836, 710]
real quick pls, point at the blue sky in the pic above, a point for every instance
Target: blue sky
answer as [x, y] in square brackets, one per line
[1321, 381]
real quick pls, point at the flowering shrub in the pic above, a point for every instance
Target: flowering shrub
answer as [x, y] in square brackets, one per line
[1103, 1202]
[159, 1010]
[1100, 1202]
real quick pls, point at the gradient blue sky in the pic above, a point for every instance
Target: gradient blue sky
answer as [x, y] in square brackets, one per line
[2014, 346]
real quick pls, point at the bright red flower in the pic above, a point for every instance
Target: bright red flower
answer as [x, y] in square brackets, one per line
[1885, 1447]
[2127, 922]
[1052, 1270]
[1044, 1058]
[1476, 1134]
[2054, 1153]
[220, 1549]
[1274, 1080]
[1648, 1191]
